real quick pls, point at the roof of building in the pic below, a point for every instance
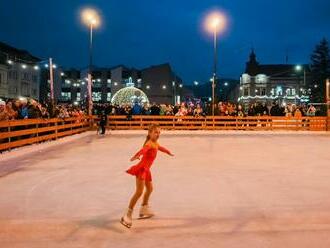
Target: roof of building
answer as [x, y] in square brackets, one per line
[278, 70]
[275, 70]
[9, 52]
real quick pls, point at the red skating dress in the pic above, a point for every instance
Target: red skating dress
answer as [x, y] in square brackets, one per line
[149, 154]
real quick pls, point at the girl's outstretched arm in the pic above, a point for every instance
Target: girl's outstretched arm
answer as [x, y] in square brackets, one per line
[141, 152]
[164, 150]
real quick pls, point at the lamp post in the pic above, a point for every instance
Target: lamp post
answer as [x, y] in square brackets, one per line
[51, 80]
[327, 85]
[215, 62]
[174, 91]
[90, 18]
[215, 23]
[300, 68]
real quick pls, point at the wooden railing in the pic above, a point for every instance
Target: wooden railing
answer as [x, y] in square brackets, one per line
[24, 132]
[220, 123]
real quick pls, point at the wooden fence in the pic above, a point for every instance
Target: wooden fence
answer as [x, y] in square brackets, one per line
[24, 132]
[220, 123]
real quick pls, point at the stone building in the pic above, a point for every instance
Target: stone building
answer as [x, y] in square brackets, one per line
[285, 83]
[19, 73]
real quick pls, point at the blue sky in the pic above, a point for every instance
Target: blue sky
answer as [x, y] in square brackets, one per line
[147, 32]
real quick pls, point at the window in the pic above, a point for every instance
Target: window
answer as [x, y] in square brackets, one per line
[34, 78]
[279, 91]
[12, 75]
[78, 96]
[0, 78]
[246, 91]
[108, 97]
[66, 96]
[261, 79]
[263, 91]
[25, 89]
[26, 76]
[246, 78]
[97, 96]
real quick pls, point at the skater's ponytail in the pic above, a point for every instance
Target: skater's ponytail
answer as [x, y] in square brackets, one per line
[150, 129]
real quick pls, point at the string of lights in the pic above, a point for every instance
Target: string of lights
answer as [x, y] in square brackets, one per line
[35, 64]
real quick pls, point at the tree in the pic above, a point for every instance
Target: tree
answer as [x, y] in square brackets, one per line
[320, 69]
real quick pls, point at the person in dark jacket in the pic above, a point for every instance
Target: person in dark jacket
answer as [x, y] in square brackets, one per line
[155, 109]
[103, 123]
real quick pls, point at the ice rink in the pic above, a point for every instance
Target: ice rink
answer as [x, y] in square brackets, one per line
[222, 189]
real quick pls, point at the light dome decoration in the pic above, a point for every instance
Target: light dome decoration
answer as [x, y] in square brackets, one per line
[129, 95]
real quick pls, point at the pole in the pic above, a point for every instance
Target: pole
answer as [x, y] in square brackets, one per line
[214, 71]
[51, 81]
[89, 84]
[174, 91]
[327, 85]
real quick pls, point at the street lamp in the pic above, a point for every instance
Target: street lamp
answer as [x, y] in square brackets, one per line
[301, 68]
[215, 23]
[91, 19]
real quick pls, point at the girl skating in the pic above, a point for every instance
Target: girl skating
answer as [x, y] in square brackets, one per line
[143, 175]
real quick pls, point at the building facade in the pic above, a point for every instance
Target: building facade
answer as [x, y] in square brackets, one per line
[159, 83]
[19, 73]
[284, 83]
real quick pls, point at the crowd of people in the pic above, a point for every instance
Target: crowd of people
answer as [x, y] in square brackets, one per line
[199, 109]
[31, 109]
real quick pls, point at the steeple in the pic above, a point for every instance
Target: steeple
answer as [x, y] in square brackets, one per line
[252, 65]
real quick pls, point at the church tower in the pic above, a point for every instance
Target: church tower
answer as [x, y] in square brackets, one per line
[252, 65]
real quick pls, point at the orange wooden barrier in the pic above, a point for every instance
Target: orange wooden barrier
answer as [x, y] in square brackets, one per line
[24, 132]
[220, 123]
[18, 133]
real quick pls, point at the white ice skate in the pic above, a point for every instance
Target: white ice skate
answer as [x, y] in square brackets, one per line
[126, 220]
[145, 212]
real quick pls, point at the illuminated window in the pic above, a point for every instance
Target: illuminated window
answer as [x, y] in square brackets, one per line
[97, 96]
[66, 96]
[246, 78]
[108, 97]
[261, 79]
[279, 91]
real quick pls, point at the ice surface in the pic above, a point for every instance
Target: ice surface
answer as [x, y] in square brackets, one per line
[222, 189]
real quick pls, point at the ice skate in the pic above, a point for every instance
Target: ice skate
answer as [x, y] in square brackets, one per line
[145, 212]
[126, 220]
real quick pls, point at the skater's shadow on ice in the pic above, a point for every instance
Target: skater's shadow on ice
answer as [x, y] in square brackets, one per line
[219, 225]
[223, 226]
[99, 222]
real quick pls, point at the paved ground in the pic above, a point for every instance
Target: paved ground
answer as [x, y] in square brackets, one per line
[233, 189]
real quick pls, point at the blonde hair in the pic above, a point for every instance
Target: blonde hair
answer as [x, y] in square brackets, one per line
[151, 128]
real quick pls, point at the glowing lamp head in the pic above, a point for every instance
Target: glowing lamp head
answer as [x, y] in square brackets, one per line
[215, 22]
[90, 17]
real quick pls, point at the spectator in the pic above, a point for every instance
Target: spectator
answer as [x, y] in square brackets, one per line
[155, 109]
[23, 112]
[311, 111]
[3, 112]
